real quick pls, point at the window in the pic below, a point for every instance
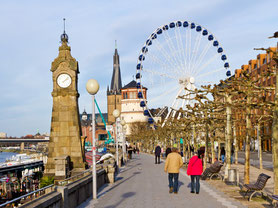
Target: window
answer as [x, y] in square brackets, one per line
[132, 95]
[102, 137]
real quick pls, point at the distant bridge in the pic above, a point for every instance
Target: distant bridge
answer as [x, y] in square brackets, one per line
[21, 142]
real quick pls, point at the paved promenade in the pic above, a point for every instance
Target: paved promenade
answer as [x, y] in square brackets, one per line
[141, 183]
[254, 161]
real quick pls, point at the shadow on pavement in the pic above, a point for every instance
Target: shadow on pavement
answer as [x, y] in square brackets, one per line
[137, 172]
[114, 186]
[124, 197]
[118, 178]
[126, 169]
[180, 184]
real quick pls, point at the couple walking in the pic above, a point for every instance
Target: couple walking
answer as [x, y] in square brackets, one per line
[173, 164]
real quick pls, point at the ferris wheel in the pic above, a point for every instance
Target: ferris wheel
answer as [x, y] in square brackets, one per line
[176, 58]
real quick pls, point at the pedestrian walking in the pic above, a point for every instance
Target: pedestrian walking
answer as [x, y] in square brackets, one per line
[137, 150]
[157, 153]
[173, 164]
[129, 150]
[232, 154]
[223, 153]
[168, 151]
[195, 169]
[134, 148]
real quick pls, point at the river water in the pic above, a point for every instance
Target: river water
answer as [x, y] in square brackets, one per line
[6, 155]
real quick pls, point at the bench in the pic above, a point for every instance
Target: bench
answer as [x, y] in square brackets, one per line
[258, 186]
[274, 200]
[212, 172]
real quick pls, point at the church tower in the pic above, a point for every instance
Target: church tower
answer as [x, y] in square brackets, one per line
[114, 93]
[65, 132]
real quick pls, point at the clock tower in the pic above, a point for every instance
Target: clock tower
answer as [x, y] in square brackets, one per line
[65, 133]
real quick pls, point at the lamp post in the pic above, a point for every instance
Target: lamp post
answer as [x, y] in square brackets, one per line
[123, 123]
[92, 87]
[116, 114]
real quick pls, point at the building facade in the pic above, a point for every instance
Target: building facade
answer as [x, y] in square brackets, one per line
[131, 111]
[86, 126]
[257, 69]
[3, 135]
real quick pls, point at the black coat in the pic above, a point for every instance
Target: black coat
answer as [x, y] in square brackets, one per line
[222, 152]
[157, 150]
[168, 151]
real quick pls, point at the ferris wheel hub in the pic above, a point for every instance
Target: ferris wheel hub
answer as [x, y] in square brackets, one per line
[186, 81]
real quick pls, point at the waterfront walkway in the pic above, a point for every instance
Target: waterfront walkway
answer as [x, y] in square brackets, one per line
[141, 183]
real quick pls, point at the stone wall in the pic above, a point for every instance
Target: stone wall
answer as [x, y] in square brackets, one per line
[51, 200]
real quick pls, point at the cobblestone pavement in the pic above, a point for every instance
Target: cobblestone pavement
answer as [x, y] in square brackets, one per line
[141, 183]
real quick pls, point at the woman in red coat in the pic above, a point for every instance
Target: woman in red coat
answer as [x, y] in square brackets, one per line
[195, 169]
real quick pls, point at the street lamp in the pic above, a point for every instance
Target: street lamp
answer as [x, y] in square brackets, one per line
[116, 114]
[92, 87]
[123, 123]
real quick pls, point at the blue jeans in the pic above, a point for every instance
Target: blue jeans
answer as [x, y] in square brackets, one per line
[223, 158]
[195, 183]
[176, 181]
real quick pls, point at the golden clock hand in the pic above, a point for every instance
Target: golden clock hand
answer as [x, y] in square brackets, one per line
[65, 80]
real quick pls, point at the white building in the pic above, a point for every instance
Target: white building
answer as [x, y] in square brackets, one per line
[3, 135]
[131, 111]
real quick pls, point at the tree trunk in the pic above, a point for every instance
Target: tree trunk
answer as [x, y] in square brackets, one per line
[275, 132]
[206, 149]
[219, 156]
[194, 138]
[228, 131]
[188, 150]
[172, 139]
[236, 146]
[247, 143]
[260, 145]
[212, 148]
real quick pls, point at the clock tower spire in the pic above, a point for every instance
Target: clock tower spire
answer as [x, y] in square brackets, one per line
[65, 132]
[114, 94]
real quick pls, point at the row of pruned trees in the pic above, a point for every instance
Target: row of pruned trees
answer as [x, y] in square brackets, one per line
[217, 114]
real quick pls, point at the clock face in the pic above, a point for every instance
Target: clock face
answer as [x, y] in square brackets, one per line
[64, 80]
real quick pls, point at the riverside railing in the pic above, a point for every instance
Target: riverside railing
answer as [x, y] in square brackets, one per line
[74, 178]
[28, 197]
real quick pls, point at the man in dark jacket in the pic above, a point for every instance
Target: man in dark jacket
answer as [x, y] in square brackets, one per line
[168, 151]
[157, 153]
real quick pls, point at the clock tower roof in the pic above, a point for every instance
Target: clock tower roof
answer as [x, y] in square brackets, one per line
[65, 55]
[64, 36]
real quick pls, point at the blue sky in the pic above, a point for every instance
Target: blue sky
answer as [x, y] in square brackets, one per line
[30, 32]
